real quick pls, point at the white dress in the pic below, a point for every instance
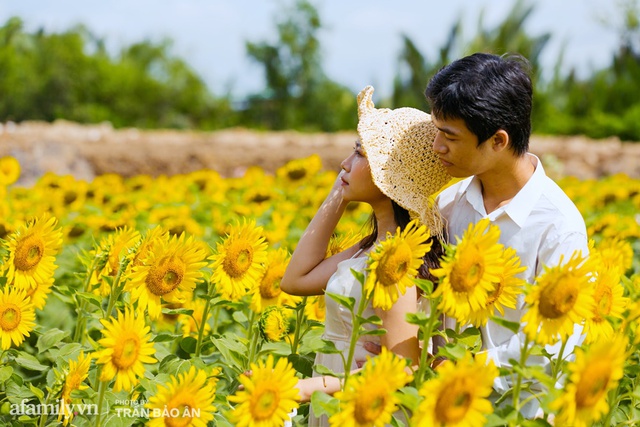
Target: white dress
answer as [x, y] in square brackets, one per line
[338, 325]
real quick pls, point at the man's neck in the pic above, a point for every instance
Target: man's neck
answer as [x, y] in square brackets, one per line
[502, 184]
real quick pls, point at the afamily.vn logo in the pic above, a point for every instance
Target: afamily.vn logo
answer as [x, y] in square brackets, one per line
[60, 407]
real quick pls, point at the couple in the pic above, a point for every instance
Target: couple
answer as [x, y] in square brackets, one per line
[479, 129]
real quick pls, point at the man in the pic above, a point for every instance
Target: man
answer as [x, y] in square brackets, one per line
[481, 105]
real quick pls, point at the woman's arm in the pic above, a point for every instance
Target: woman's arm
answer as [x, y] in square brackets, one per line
[401, 337]
[308, 270]
[325, 384]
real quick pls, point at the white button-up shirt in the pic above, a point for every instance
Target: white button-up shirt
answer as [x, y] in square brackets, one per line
[542, 224]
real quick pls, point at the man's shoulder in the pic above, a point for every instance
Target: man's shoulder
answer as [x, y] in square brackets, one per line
[555, 197]
[557, 211]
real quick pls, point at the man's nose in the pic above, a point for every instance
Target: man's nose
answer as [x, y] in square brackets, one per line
[438, 146]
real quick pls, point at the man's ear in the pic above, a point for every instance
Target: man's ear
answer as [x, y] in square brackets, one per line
[500, 140]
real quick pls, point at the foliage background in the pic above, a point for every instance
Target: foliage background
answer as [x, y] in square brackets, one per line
[70, 75]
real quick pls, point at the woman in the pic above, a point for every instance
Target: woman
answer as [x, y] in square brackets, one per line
[393, 168]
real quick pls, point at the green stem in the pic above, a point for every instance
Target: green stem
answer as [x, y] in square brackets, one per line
[202, 325]
[516, 389]
[78, 334]
[101, 389]
[253, 335]
[299, 322]
[427, 331]
[215, 314]
[558, 364]
[44, 415]
[116, 288]
[355, 335]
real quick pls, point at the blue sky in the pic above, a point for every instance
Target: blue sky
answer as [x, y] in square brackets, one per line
[360, 39]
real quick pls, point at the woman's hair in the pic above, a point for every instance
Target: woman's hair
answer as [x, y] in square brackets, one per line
[402, 218]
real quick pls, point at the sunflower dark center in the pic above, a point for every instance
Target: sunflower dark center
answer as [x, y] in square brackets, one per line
[453, 403]
[394, 265]
[29, 252]
[10, 318]
[593, 384]
[270, 286]
[164, 277]
[558, 299]
[238, 260]
[125, 352]
[369, 410]
[265, 404]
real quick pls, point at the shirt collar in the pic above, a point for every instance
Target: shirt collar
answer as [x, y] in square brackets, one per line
[520, 207]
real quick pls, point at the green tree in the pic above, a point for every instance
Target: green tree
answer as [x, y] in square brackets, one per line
[70, 75]
[506, 37]
[604, 103]
[298, 94]
[415, 70]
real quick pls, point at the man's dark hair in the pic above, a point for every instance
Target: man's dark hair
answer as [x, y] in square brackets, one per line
[489, 93]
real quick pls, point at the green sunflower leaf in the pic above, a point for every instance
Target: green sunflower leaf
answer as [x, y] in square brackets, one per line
[302, 363]
[419, 318]
[348, 302]
[174, 311]
[324, 404]
[28, 361]
[50, 338]
[90, 298]
[5, 373]
[512, 326]
[375, 332]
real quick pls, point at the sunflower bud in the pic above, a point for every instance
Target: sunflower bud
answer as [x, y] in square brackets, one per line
[274, 323]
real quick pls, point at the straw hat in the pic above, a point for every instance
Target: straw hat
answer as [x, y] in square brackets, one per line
[398, 145]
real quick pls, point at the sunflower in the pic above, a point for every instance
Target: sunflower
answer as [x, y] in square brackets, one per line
[274, 323]
[505, 292]
[269, 394]
[268, 292]
[609, 302]
[278, 227]
[458, 396]
[78, 372]
[9, 170]
[469, 271]
[394, 263]
[344, 241]
[144, 246]
[32, 250]
[315, 308]
[126, 346]
[169, 273]
[17, 317]
[39, 294]
[369, 399]
[116, 246]
[594, 372]
[239, 260]
[616, 252]
[299, 170]
[560, 298]
[185, 401]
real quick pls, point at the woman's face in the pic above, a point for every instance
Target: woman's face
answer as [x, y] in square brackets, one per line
[357, 183]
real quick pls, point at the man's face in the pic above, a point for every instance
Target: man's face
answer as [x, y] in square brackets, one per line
[458, 148]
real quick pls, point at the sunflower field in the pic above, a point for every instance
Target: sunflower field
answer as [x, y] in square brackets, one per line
[156, 301]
